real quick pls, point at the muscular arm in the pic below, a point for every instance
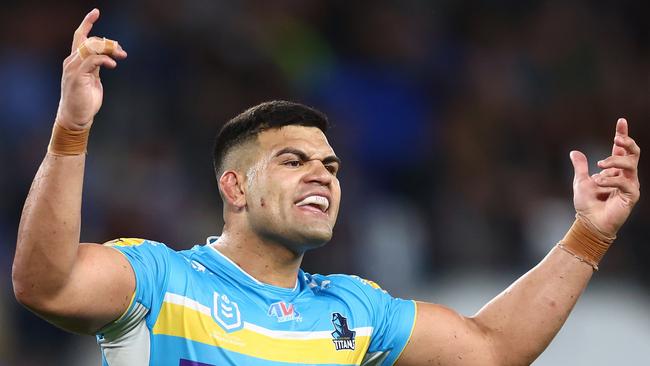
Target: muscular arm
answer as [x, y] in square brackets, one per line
[77, 287]
[512, 329]
[517, 325]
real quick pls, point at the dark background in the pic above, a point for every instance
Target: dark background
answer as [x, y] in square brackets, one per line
[454, 120]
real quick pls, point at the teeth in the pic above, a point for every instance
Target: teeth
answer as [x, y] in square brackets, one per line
[322, 202]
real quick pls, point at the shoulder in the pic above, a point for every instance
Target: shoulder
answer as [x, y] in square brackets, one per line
[140, 244]
[346, 286]
[133, 242]
[146, 249]
[343, 280]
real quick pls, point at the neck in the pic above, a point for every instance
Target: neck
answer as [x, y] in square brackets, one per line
[267, 262]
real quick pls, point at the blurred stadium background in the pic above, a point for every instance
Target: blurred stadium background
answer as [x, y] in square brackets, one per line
[454, 120]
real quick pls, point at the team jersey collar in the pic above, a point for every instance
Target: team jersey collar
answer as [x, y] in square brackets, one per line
[219, 263]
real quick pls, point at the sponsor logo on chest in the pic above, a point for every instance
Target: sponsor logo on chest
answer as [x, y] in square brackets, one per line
[284, 312]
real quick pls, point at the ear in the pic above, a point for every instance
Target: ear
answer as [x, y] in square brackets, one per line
[231, 185]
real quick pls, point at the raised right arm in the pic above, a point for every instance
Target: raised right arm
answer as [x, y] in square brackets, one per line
[78, 287]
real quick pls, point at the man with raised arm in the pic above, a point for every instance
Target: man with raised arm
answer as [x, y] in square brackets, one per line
[241, 298]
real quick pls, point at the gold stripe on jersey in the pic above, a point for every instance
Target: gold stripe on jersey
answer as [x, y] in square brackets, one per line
[181, 321]
[372, 284]
[124, 242]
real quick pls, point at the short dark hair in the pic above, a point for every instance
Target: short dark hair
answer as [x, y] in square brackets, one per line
[264, 116]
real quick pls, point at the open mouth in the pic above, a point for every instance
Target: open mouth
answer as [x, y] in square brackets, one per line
[315, 202]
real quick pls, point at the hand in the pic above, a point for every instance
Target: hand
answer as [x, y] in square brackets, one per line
[81, 87]
[607, 198]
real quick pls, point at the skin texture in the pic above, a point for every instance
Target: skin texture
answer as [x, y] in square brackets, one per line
[81, 287]
[265, 232]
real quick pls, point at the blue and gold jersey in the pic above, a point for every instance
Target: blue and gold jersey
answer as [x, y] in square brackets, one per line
[198, 308]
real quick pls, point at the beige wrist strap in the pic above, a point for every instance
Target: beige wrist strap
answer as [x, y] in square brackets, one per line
[585, 242]
[65, 142]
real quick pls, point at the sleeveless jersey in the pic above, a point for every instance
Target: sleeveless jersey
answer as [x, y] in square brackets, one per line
[198, 308]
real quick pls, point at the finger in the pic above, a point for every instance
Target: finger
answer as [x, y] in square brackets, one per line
[69, 59]
[81, 34]
[610, 172]
[617, 150]
[580, 166]
[628, 163]
[623, 184]
[92, 63]
[627, 144]
[101, 46]
[621, 130]
[114, 49]
[621, 127]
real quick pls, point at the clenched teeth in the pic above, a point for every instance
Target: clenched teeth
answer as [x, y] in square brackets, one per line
[320, 201]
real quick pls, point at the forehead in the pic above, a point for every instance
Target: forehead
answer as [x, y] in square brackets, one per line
[309, 139]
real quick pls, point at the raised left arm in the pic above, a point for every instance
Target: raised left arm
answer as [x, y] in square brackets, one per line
[517, 325]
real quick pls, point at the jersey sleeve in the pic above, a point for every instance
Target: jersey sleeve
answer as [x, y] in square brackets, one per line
[150, 263]
[393, 319]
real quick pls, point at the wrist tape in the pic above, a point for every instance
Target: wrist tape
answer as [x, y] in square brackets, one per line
[65, 142]
[585, 242]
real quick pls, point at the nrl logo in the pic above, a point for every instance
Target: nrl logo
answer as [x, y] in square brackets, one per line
[343, 336]
[226, 313]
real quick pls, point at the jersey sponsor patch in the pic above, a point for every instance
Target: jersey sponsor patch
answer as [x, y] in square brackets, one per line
[284, 312]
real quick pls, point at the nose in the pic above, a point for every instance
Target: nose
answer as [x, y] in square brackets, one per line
[318, 173]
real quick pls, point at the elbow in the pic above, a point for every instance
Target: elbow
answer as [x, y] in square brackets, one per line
[18, 283]
[26, 289]
[28, 295]
[34, 284]
[501, 349]
[23, 291]
[489, 339]
[21, 282]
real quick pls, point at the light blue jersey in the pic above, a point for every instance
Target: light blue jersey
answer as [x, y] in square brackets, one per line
[198, 308]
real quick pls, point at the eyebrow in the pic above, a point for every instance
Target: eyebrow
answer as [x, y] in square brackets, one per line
[303, 156]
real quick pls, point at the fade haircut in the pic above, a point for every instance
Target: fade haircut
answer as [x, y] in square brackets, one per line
[268, 115]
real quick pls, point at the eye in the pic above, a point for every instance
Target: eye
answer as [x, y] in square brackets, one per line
[293, 163]
[332, 169]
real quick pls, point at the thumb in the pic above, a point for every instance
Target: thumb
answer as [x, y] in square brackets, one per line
[580, 165]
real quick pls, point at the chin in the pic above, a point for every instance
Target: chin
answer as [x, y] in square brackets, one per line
[313, 239]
